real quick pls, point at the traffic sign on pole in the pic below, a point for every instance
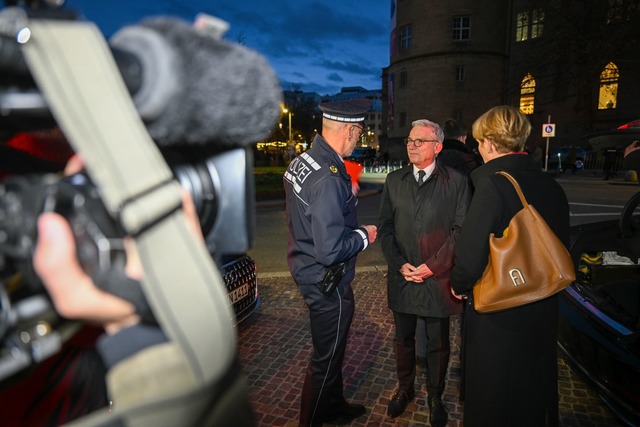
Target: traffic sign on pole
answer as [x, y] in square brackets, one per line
[548, 130]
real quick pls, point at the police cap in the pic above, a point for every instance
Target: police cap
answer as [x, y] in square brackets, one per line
[352, 111]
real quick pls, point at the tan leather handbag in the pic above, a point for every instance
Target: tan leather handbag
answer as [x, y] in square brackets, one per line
[528, 263]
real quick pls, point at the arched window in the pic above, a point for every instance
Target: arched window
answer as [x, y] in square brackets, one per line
[609, 77]
[527, 94]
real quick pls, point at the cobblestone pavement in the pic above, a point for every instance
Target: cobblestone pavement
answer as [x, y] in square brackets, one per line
[275, 345]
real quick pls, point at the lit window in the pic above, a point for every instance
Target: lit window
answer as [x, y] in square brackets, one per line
[537, 23]
[529, 25]
[609, 77]
[527, 94]
[405, 37]
[522, 26]
[461, 28]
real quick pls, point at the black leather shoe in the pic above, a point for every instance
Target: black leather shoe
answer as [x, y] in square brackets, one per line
[399, 402]
[438, 413]
[343, 413]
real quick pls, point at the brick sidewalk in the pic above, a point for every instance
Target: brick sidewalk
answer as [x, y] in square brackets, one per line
[274, 346]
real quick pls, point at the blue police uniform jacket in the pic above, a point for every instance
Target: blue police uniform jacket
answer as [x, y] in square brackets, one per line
[321, 215]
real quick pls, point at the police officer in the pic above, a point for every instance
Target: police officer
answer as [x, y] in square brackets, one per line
[324, 240]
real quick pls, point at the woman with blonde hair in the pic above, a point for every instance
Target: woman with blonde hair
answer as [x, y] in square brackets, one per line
[509, 358]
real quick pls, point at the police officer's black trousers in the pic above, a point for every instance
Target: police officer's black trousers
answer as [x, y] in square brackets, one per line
[330, 319]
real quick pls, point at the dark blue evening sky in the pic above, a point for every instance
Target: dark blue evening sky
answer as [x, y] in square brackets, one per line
[314, 46]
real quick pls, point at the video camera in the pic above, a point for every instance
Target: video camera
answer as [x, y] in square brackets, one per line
[201, 115]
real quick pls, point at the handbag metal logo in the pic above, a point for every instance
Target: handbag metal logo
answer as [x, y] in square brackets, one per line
[517, 277]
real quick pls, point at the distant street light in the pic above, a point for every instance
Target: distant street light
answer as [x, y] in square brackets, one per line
[286, 111]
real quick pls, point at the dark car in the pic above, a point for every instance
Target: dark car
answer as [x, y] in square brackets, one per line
[617, 138]
[363, 154]
[239, 274]
[559, 158]
[600, 312]
[632, 124]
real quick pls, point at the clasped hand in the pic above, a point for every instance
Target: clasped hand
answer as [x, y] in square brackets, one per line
[415, 274]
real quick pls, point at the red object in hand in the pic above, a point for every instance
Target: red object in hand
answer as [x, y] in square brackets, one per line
[354, 170]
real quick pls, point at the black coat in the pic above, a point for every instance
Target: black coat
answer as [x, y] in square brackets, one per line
[457, 155]
[420, 225]
[509, 358]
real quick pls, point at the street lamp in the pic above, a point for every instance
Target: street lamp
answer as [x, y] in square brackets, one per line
[286, 111]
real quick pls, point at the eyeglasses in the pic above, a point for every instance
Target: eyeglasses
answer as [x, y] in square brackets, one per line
[418, 142]
[360, 131]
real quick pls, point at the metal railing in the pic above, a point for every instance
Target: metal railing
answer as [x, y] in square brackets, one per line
[592, 164]
[376, 166]
[595, 162]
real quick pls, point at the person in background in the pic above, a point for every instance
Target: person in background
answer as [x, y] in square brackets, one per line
[608, 163]
[538, 155]
[570, 163]
[422, 210]
[455, 153]
[323, 237]
[510, 357]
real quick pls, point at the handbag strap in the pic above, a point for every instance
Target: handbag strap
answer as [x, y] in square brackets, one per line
[517, 187]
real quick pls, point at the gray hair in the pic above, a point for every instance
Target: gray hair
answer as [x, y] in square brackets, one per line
[437, 130]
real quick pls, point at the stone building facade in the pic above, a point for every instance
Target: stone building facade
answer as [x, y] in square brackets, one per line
[572, 63]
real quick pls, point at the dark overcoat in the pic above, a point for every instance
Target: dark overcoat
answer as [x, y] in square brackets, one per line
[459, 156]
[509, 358]
[420, 224]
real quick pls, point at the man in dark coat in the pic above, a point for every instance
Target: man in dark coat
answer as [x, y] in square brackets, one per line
[455, 152]
[324, 234]
[422, 211]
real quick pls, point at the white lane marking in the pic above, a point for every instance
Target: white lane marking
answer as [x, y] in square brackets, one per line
[599, 206]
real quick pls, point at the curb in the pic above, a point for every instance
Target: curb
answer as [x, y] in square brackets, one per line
[366, 269]
[370, 190]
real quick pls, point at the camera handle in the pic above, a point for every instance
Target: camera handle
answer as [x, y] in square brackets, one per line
[75, 70]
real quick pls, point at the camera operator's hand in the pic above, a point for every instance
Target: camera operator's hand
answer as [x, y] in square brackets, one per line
[72, 291]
